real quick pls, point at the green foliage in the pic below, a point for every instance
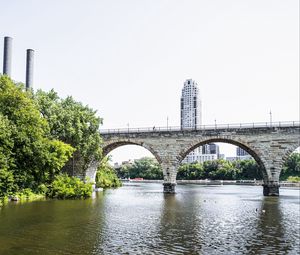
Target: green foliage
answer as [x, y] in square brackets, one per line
[236, 170]
[42, 189]
[27, 194]
[147, 168]
[7, 184]
[220, 169]
[106, 176]
[293, 179]
[215, 170]
[193, 171]
[6, 143]
[291, 167]
[72, 123]
[28, 155]
[65, 187]
[249, 169]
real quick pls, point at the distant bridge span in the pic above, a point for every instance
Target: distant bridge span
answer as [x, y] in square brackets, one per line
[268, 143]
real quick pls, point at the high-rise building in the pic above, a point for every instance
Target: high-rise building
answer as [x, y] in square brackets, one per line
[207, 152]
[210, 148]
[242, 154]
[190, 105]
[191, 118]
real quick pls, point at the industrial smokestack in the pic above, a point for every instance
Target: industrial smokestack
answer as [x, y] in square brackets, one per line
[29, 68]
[7, 55]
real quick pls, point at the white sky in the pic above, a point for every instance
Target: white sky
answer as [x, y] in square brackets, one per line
[129, 59]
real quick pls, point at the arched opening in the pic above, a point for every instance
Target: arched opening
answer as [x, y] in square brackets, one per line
[134, 162]
[290, 172]
[221, 159]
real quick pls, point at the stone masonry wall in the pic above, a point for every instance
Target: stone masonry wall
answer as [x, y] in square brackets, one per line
[268, 146]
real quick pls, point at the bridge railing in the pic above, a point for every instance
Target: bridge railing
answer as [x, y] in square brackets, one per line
[203, 127]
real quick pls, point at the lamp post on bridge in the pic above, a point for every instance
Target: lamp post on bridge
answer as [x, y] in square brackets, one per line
[167, 122]
[270, 118]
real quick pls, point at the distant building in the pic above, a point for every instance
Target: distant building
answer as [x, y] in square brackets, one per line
[242, 154]
[124, 163]
[190, 105]
[127, 162]
[191, 118]
[231, 158]
[221, 156]
[207, 152]
[211, 148]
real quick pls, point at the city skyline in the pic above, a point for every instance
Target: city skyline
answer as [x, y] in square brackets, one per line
[129, 60]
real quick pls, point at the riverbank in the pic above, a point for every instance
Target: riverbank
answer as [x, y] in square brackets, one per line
[217, 182]
[21, 197]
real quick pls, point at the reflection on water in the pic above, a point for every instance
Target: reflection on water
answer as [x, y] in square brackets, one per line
[140, 219]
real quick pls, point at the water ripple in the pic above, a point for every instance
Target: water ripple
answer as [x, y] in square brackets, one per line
[140, 219]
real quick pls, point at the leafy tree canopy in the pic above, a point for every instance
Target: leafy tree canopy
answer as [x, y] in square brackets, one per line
[146, 167]
[29, 155]
[72, 123]
[106, 176]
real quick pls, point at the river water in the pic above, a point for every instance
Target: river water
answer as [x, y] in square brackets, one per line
[140, 219]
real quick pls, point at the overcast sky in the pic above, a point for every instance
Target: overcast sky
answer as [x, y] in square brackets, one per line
[129, 59]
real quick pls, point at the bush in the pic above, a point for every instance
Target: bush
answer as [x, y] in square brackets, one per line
[107, 179]
[65, 187]
[106, 176]
[42, 189]
[293, 179]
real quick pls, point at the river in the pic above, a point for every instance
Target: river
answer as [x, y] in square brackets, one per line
[140, 219]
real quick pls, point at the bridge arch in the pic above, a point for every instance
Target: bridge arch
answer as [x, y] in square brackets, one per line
[242, 144]
[108, 147]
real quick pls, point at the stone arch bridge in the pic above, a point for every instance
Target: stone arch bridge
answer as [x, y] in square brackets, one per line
[268, 143]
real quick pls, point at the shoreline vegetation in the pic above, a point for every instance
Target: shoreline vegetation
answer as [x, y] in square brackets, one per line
[106, 176]
[240, 170]
[44, 140]
[216, 182]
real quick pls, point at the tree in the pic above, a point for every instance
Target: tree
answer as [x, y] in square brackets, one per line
[220, 170]
[106, 176]
[7, 185]
[249, 169]
[29, 156]
[146, 167]
[74, 124]
[6, 143]
[291, 167]
[192, 171]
